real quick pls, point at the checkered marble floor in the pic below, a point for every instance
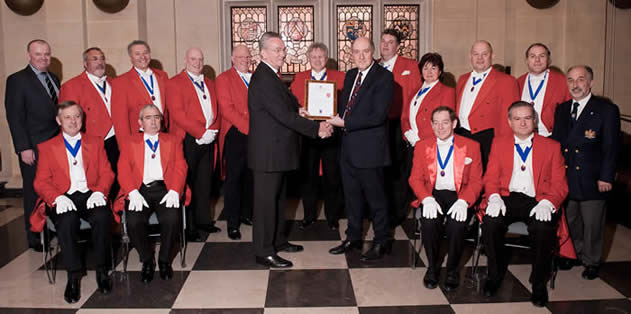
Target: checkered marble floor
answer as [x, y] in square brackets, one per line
[220, 276]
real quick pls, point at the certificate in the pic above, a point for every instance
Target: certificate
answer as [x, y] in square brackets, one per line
[320, 99]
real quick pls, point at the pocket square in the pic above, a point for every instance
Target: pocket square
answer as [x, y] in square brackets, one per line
[406, 72]
[467, 160]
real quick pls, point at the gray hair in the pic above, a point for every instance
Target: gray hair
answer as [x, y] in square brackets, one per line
[320, 46]
[145, 107]
[587, 68]
[137, 42]
[522, 104]
[267, 36]
[85, 53]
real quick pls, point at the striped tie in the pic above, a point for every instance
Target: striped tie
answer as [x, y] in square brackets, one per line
[350, 103]
[51, 89]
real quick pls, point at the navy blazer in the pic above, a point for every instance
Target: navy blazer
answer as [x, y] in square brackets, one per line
[590, 148]
[30, 111]
[365, 136]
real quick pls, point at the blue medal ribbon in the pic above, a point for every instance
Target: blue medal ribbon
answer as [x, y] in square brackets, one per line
[442, 163]
[422, 91]
[149, 88]
[523, 154]
[102, 89]
[244, 81]
[152, 146]
[321, 79]
[476, 82]
[533, 96]
[73, 150]
[200, 85]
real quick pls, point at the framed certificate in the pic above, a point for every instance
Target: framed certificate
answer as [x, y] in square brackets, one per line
[320, 99]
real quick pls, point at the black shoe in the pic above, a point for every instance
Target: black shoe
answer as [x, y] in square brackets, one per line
[539, 296]
[103, 281]
[290, 248]
[148, 268]
[346, 246]
[234, 233]
[334, 225]
[566, 263]
[73, 291]
[590, 272]
[490, 287]
[377, 251]
[430, 281]
[193, 236]
[273, 261]
[306, 224]
[37, 247]
[452, 281]
[166, 271]
[210, 228]
[246, 221]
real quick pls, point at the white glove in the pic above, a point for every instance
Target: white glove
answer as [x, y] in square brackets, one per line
[431, 208]
[95, 200]
[496, 205]
[208, 137]
[411, 136]
[172, 199]
[63, 204]
[136, 201]
[543, 210]
[458, 210]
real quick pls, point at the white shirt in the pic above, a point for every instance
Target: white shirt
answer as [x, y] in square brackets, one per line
[153, 166]
[522, 181]
[318, 76]
[78, 181]
[415, 104]
[364, 73]
[535, 80]
[98, 82]
[245, 77]
[447, 182]
[581, 105]
[389, 65]
[148, 75]
[468, 96]
[206, 104]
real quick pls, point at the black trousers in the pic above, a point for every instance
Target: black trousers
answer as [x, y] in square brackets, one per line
[363, 186]
[484, 138]
[397, 175]
[237, 188]
[199, 159]
[112, 151]
[67, 227]
[170, 223]
[327, 150]
[542, 238]
[30, 197]
[432, 231]
[270, 201]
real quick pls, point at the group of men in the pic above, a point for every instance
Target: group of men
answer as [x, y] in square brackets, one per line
[143, 143]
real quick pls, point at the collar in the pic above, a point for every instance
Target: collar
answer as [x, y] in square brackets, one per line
[365, 72]
[37, 72]
[526, 142]
[483, 74]
[152, 138]
[242, 73]
[448, 141]
[430, 85]
[71, 139]
[196, 78]
[271, 67]
[583, 102]
[390, 63]
[95, 78]
[318, 74]
[144, 73]
[538, 77]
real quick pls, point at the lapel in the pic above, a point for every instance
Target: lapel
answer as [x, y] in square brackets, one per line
[508, 158]
[87, 85]
[239, 83]
[86, 150]
[136, 81]
[538, 157]
[59, 151]
[36, 82]
[163, 87]
[586, 114]
[488, 86]
[431, 96]
[367, 82]
[165, 152]
[138, 154]
[460, 153]
[430, 158]
[398, 67]
[460, 91]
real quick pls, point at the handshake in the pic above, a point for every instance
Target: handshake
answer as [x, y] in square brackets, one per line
[326, 127]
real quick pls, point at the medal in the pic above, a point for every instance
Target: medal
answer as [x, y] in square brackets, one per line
[204, 96]
[442, 173]
[523, 167]
[441, 163]
[523, 154]
[153, 156]
[534, 94]
[149, 88]
[153, 147]
[73, 150]
[476, 82]
[74, 162]
[472, 88]
[153, 98]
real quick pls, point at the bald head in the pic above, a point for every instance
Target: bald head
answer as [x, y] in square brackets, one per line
[363, 50]
[481, 55]
[194, 60]
[241, 58]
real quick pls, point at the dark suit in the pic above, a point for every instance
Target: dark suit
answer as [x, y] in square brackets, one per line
[273, 150]
[590, 149]
[31, 116]
[364, 152]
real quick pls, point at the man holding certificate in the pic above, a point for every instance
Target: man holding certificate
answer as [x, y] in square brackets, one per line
[311, 83]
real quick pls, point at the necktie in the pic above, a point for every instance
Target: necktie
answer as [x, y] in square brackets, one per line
[51, 89]
[574, 114]
[350, 103]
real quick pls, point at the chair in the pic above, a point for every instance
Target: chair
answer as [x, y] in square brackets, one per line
[153, 221]
[517, 228]
[49, 228]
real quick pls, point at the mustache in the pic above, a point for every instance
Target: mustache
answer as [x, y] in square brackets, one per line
[577, 89]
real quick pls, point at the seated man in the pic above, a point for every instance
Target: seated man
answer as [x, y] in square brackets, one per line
[73, 181]
[446, 175]
[525, 181]
[152, 175]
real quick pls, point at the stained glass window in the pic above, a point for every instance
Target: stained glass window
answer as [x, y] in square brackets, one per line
[352, 22]
[295, 25]
[248, 25]
[405, 19]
